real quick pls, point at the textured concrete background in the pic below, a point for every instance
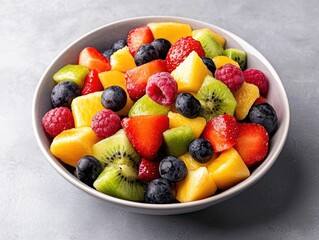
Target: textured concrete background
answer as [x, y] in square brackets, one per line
[37, 203]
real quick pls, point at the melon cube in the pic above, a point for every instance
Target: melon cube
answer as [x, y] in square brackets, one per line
[171, 31]
[197, 185]
[228, 169]
[72, 144]
[190, 74]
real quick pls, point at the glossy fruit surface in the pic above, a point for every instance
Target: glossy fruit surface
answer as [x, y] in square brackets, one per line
[201, 150]
[160, 191]
[172, 169]
[187, 105]
[106, 123]
[63, 93]
[114, 98]
[88, 169]
[162, 46]
[93, 60]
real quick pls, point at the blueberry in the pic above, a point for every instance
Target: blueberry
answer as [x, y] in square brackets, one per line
[187, 105]
[265, 115]
[172, 169]
[160, 191]
[114, 98]
[108, 53]
[88, 169]
[162, 46]
[145, 53]
[119, 44]
[209, 64]
[201, 150]
[63, 93]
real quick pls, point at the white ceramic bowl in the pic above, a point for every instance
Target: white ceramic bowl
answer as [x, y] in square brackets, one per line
[102, 38]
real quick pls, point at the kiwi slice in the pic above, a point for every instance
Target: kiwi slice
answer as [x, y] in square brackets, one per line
[215, 98]
[211, 47]
[146, 106]
[120, 181]
[116, 149]
[237, 55]
[177, 140]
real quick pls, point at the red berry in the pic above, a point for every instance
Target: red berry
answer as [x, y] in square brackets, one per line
[162, 88]
[137, 37]
[105, 123]
[181, 49]
[222, 132]
[257, 78]
[92, 83]
[93, 59]
[148, 170]
[231, 75]
[57, 120]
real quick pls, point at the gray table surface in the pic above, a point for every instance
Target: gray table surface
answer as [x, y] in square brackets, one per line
[37, 203]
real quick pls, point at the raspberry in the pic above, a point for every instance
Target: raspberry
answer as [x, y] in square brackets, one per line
[181, 49]
[231, 75]
[105, 123]
[162, 88]
[257, 78]
[57, 120]
[148, 170]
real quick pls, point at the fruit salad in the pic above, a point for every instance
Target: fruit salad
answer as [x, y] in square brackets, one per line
[169, 114]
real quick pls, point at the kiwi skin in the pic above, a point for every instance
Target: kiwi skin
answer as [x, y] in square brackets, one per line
[215, 98]
[237, 55]
[120, 181]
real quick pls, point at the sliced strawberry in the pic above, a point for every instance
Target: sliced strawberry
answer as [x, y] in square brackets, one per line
[222, 132]
[145, 132]
[92, 83]
[260, 100]
[94, 60]
[137, 37]
[148, 170]
[252, 143]
[136, 78]
[181, 49]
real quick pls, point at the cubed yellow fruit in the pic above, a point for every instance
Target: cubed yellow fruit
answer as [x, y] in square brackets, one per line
[190, 74]
[245, 97]
[172, 31]
[219, 38]
[197, 185]
[85, 107]
[192, 164]
[197, 124]
[122, 60]
[228, 169]
[73, 144]
[111, 78]
[222, 60]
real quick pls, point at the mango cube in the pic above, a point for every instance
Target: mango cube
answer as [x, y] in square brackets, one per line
[122, 60]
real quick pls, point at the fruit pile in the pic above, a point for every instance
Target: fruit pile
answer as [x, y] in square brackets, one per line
[169, 114]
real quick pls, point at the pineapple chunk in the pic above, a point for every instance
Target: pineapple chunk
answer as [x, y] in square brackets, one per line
[85, 107]
[197, 124]
[192, 164]
[197, 185]
[111, 78]
[190, 74]
[245, 97]
[228, 169]
[172, 31]
[72, 144]
[122, 60]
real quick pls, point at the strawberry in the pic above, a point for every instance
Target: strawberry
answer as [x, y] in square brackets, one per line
[181, 49]
[222, 132]
[252, 143]
[138, 37]
[93, 59]
[92, 83]
[148, 170]
[260, 100]
[136, 78]
[145, 132]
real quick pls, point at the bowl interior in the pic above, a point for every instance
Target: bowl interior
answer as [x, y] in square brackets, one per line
[101, 39]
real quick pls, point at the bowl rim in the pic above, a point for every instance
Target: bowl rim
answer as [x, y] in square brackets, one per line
[173, 207]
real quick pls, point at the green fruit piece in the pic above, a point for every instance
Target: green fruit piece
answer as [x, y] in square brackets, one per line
[73, 73]
[146, 106]
[177, 140]
[215, 99]
[120, 181]
[237, 55]
[116, 149]
[211, 47]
